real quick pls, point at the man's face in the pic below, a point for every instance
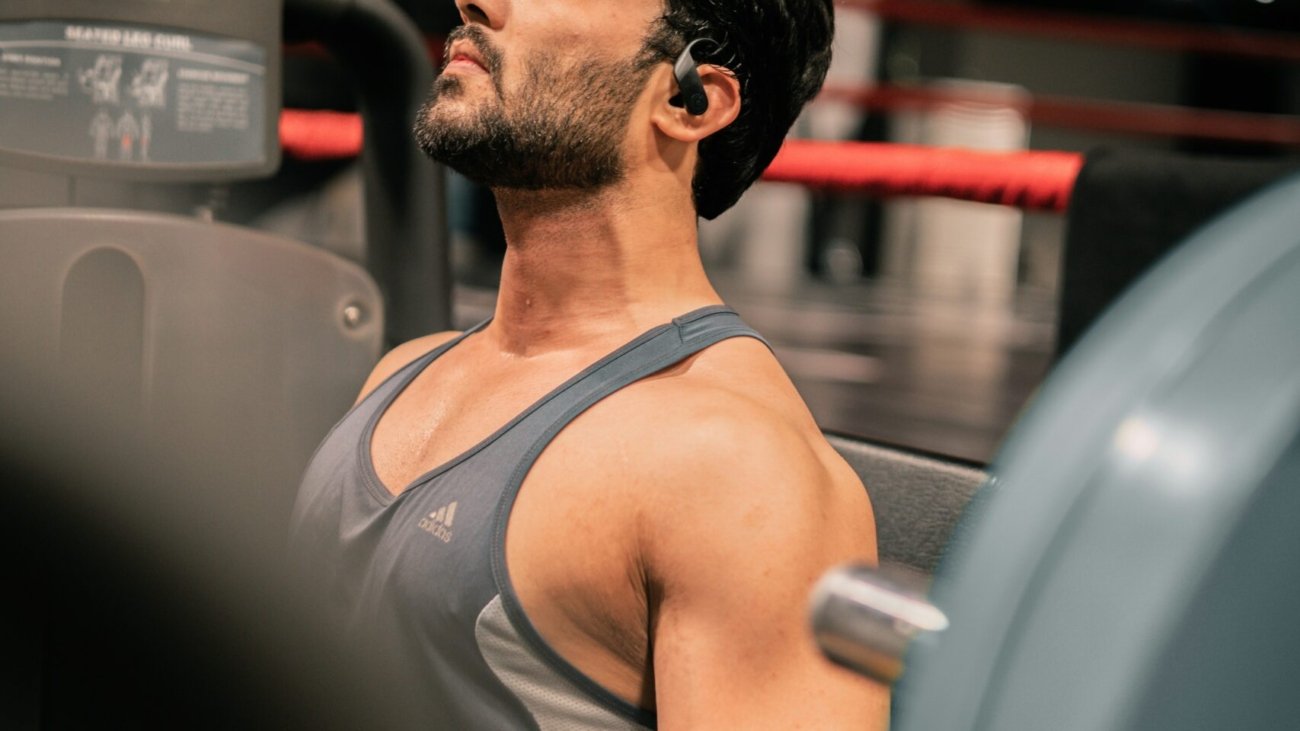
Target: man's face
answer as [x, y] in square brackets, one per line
[533, 106]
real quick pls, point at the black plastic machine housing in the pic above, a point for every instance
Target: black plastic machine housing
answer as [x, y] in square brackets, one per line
[141, 90]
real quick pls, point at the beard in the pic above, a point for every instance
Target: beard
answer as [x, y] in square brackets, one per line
[563, 128]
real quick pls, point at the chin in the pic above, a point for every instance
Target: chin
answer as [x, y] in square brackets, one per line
[450, 93]
[450, 113]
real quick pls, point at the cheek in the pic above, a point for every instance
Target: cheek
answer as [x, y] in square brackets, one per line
[537, 74]
[601, 29]
[617, 26]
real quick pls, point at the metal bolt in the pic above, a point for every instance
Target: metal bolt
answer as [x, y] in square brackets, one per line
[353, 316]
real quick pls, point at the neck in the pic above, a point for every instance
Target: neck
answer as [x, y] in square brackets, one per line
[586, 270]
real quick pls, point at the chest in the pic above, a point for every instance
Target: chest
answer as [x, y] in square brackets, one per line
[567, 540]
[454, 406]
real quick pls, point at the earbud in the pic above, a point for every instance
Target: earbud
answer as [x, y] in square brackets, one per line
[688, 79]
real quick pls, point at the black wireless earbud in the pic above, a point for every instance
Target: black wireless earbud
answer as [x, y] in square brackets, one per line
[688, 79]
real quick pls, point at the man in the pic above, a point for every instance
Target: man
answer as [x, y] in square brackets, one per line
[605, 507]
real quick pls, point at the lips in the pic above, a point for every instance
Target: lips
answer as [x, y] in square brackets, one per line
[465, 54]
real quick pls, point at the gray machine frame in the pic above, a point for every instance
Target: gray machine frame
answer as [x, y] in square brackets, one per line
[1167, 438]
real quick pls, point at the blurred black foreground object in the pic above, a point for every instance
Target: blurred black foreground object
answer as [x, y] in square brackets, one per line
[164, 376]
[145, 592]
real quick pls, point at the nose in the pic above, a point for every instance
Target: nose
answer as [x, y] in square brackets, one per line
[488, 13]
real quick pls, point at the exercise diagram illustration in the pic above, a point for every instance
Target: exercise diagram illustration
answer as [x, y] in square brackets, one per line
[102, 80]
[101, 131]
[149, 85]
[132, 129]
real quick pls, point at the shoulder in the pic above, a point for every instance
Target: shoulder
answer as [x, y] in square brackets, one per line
[722, 452]
[756, 473]
[401, 355]
[728, 503]
[732, 406]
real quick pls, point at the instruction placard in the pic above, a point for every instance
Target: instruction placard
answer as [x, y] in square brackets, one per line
[124, 95]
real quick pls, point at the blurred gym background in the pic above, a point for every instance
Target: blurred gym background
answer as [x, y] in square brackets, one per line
[925, 323]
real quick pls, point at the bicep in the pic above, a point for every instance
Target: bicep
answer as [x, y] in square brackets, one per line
[732, 648]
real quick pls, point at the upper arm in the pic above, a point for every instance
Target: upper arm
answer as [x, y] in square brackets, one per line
[400, 356]
[755, 513]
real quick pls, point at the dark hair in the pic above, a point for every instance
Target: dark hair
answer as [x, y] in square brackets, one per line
[779, 51]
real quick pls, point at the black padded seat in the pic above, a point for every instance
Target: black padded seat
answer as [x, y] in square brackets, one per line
[918, 498]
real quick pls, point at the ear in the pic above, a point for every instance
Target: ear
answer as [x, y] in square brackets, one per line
[723, 90]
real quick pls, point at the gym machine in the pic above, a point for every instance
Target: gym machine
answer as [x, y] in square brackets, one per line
[1131, 562]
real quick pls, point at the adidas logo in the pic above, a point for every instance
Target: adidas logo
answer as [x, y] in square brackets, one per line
[439, 522]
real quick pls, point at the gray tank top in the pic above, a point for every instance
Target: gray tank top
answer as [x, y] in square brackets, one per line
[429, 564]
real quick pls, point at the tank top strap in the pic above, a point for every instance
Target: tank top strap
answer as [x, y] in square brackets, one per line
[710, 325]
[387, 390]
[652, 352]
